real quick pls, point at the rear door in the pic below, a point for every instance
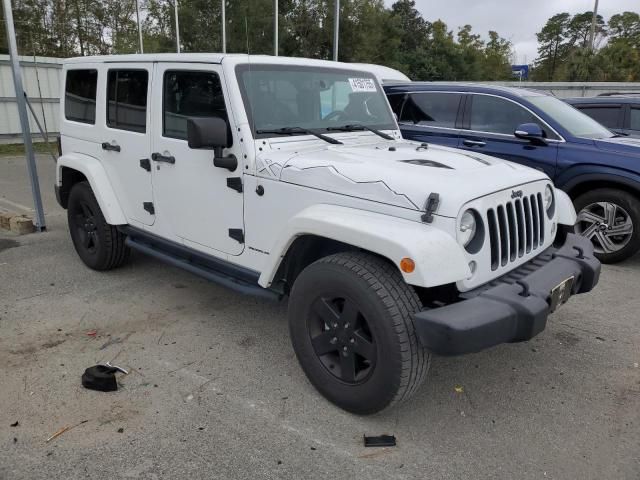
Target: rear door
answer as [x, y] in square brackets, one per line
[490, 122]
[199, 203]
[125, 138]
[432, 117]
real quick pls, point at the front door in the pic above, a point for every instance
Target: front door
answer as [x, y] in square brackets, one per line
[491, 122]
[193, 198]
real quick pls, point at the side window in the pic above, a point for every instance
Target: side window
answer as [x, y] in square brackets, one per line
[127, 100]
[190, 94]
[80, 96]
[497, 115]
[608, 116]
[634, 124]
[432, 109]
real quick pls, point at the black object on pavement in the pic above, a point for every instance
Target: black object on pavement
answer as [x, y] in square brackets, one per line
[380, 441]
[101, 378]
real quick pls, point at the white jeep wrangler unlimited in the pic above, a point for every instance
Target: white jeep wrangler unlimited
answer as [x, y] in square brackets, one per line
[287, 177]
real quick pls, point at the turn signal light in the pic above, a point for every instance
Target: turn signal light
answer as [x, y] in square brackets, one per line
[407, 265]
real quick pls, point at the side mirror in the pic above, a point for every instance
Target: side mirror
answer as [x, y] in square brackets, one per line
[212, 133]
[207, 133]
[532, 132]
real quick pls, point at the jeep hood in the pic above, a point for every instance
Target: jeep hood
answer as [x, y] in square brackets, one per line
[402, 174]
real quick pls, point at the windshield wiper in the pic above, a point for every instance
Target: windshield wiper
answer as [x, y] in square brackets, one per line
[295, 130]
[358, 127]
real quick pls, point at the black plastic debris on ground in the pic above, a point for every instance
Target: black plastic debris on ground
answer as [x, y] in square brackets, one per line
[15, 424]
[380, 441]
[101, 378]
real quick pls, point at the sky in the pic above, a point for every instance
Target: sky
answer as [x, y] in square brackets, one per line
[515, 20]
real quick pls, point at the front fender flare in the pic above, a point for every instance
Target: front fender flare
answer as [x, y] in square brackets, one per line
[566, 211]
[96, 175]
[439, 259]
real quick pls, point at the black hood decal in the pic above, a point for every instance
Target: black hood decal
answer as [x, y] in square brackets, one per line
[426, 163]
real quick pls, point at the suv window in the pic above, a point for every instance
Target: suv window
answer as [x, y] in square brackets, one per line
[432, 109]
[127, 100]
[634, 123]
[190, 94]
[608, 116]
[80, 96]
[497, 115]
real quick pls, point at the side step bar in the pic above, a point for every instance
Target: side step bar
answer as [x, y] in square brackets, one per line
[197, 264]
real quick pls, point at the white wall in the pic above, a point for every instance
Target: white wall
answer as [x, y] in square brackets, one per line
[44, 73]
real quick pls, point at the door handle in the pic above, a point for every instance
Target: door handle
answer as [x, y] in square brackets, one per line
[110, 146]
[157, 157]
[473, 143]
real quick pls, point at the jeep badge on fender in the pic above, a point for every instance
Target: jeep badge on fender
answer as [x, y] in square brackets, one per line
[287, 178]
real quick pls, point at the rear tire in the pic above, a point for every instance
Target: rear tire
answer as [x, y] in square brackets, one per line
[602, 213]
[100, 245]
[351, 325]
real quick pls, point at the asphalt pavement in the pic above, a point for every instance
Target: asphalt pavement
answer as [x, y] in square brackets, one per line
[214, 389]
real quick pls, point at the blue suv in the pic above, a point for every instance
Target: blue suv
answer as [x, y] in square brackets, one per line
[600, 170]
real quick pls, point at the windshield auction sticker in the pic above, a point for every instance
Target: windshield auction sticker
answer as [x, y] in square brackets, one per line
[362, 84]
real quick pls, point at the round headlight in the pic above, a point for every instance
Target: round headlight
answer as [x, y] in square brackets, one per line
[468, 227]
[548, 200]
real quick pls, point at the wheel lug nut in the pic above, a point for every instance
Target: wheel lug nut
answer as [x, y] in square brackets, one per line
[334, 325]
[344, 348]
[346, 325]
[352, 340]
[334, 340]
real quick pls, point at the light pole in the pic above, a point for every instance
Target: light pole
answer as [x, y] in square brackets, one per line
[139, 26]
[175, 6]
[24, 119]
[275, 27]
[224, 27]
[336, 29]
[592, 34]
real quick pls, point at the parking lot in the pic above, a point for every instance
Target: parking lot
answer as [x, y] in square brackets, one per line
[215, 391]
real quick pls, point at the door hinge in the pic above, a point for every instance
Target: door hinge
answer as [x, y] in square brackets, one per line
[235, 183]
[148, 206]
[237, 234]
[146, 164]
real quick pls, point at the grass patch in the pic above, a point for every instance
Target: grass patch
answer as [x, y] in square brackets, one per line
[18, 148]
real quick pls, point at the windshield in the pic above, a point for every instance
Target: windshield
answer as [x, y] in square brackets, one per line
[320, 99]
[575, 122]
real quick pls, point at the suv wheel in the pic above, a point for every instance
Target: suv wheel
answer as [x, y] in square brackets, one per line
[100, 245]
[350, 319]
[610, 218]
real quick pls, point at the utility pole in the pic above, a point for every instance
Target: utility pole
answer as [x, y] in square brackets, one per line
[139, 26]
[224, 27]
[175, 6]
[24, 119]
[336, 29]
[592, 34]
[275, 27]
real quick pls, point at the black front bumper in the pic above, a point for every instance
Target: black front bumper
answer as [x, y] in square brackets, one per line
[513, 307]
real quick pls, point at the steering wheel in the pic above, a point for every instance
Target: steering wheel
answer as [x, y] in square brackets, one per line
[336, 114]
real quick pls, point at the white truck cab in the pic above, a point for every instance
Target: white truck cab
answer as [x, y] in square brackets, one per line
[288, 178]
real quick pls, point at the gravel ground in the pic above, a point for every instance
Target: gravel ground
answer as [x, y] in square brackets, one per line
[216, 392]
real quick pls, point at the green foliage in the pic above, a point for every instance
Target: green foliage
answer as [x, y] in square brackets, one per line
[369, 33]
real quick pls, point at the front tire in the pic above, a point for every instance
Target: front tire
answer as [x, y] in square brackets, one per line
[100, 245]
[350, 320]
[610, 218]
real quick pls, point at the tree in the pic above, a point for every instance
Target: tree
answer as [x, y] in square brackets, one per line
[552, 45]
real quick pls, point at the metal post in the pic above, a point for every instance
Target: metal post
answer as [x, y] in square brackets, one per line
[139, 26]
[175, 6]
[592, 34]
[224, 27]
[24, 119]
[275, 27]
[336, 29]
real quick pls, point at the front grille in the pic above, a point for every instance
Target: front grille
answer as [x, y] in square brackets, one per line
[515, 229]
